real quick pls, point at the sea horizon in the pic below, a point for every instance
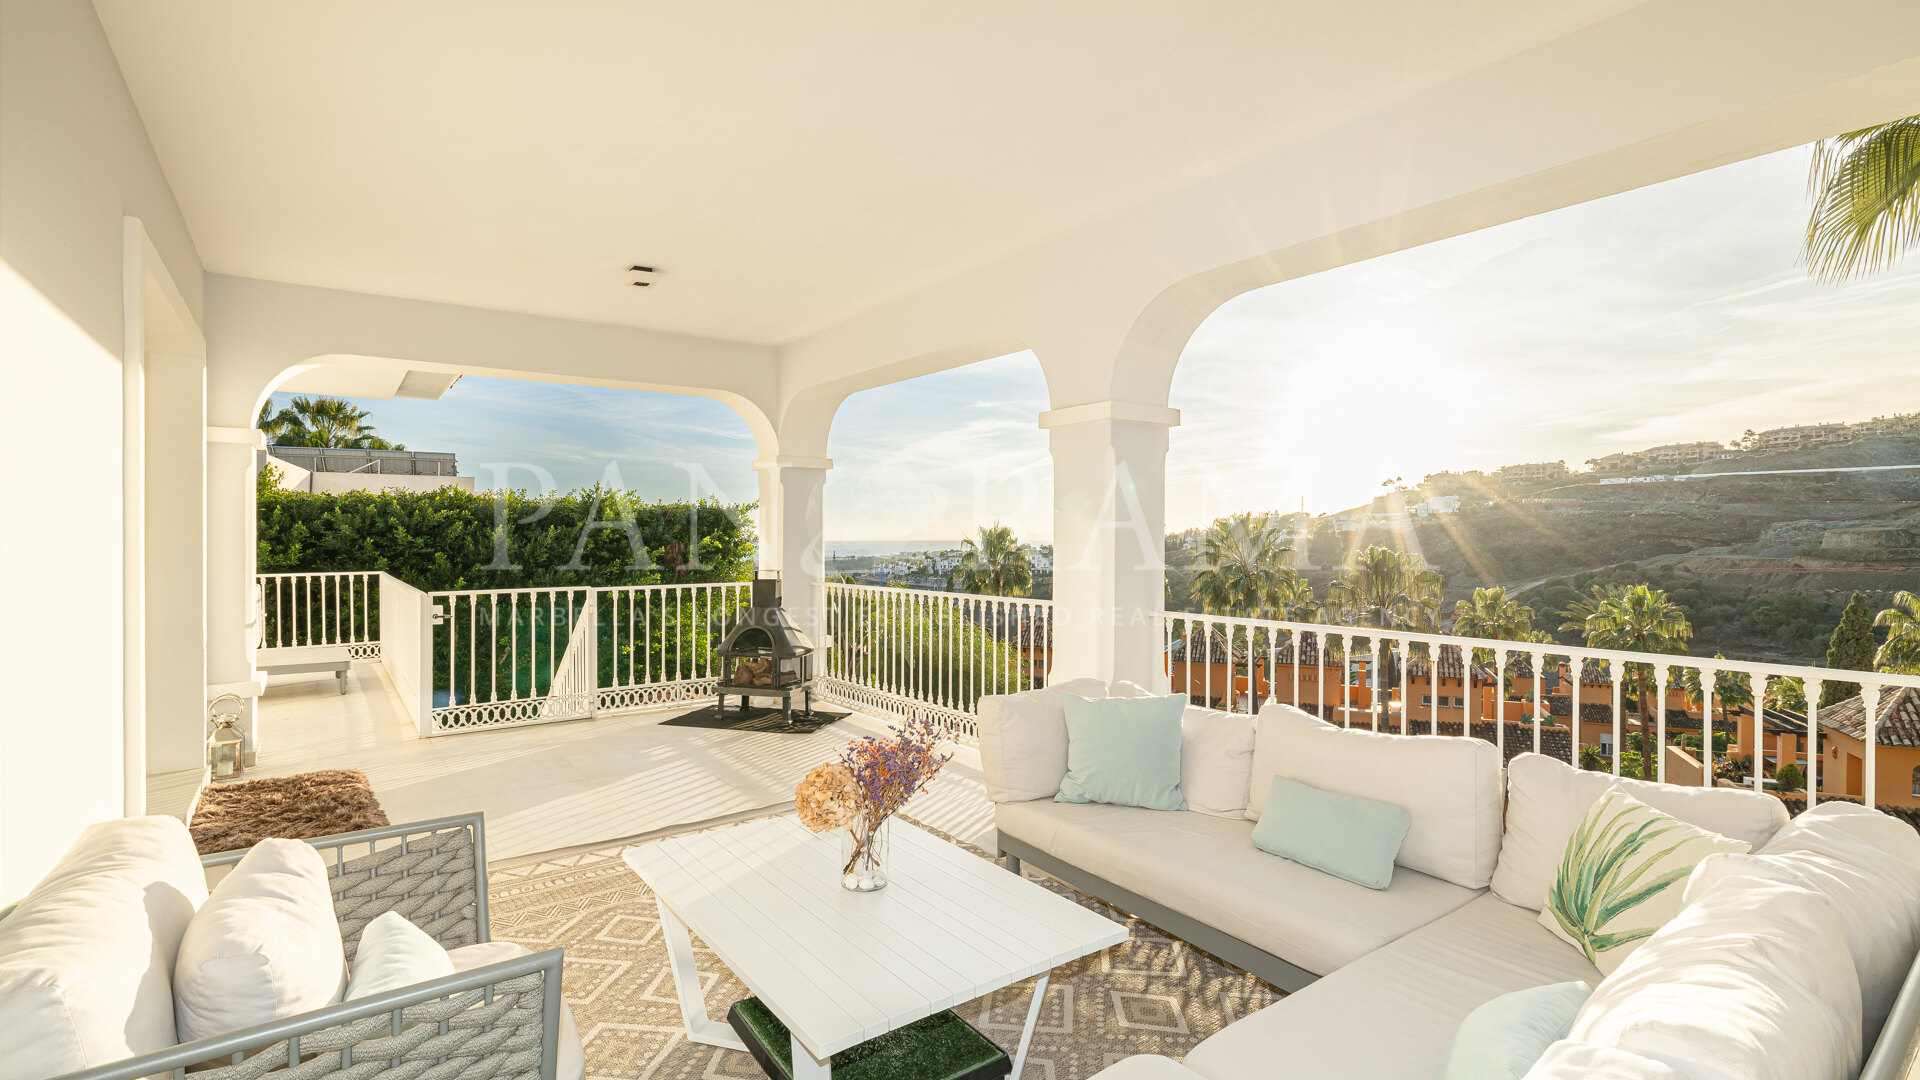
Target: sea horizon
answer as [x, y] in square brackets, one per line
[891, 547]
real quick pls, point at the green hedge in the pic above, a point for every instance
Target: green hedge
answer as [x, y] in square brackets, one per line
[454, 539]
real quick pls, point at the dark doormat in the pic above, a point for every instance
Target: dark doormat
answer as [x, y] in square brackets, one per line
[757, 719]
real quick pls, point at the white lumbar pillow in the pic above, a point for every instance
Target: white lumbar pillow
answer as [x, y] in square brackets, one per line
[1867, 865]
[1622, 877]
[85, 956]
[394, 953]
[1751, 980]
[264, 946]
[1449, 785]
[1023, 740]
[1216, 760]
[1546, 798]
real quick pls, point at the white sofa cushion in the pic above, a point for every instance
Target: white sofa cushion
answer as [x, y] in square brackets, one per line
[85, 956]
[1023, 740]
[1449, 785]
[572, 1058]
[1751, 980]
[1569, 1060]
[1216, 761]
[1546, 798]
[1867, 865]
[1208, 869]
[1393, 1012]
[1147, 1067]
[1623, 875]
[264, 946]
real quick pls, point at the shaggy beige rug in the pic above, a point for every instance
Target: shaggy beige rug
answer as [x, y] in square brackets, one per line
[1152, 995]
[297, 807]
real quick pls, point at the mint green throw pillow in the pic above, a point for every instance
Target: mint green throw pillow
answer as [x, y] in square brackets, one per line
[1343, 835]
[1503, 1038]
[1124, 751]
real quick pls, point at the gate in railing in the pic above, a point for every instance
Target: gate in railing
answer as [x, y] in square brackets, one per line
[320, 609]
[512, 657]
[658, 641]
[918, 653]
[1361, 677]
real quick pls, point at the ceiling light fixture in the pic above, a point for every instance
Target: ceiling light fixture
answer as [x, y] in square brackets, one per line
[640, 276]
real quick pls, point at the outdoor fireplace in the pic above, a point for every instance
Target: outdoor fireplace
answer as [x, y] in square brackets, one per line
[764, 655]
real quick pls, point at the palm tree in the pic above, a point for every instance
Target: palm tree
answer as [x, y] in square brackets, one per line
[1866, 200]
[1901, 652]
[322, 421]
[998, 564]
[1636, 619]
[1242, 568]
[1389, 589]
[1492, 614]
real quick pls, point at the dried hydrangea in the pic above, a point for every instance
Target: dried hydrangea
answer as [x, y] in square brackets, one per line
[828, 798]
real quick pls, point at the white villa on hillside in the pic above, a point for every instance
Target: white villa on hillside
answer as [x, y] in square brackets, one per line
[202, 204]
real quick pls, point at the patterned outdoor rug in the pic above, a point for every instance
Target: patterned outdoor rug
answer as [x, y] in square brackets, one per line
[1152, 995]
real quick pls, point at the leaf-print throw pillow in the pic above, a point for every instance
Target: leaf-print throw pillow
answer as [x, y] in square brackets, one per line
[1622, 876]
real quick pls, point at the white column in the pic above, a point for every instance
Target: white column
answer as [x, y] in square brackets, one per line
[793, 535]
[176, 563]
[232, 616]
[1109, 538]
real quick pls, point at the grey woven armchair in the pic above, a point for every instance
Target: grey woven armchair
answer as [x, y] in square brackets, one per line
[498, 1022]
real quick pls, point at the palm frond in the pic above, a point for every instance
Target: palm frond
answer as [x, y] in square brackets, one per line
[1865, 186]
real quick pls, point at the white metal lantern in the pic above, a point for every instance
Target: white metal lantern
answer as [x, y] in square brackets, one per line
[226, 745]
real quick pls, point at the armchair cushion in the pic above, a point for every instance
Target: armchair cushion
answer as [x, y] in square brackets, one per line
[265, 945]
[84, 956]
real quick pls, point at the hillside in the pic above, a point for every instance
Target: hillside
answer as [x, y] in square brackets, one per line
[1762, 563]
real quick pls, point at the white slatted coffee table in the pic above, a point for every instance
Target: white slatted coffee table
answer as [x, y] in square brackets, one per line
[839, 968]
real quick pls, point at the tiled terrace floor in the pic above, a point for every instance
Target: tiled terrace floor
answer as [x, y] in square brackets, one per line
[559, 786]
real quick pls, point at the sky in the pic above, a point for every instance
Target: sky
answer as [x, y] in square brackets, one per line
[1671, 313]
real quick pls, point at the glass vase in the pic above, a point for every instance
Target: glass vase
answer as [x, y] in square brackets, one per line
[863, 857]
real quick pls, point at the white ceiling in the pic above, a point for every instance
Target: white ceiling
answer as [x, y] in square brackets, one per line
[784, 165]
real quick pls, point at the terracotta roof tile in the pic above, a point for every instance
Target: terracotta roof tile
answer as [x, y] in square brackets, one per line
[1898, 723]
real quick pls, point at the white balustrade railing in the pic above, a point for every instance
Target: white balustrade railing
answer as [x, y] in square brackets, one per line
[1360, 676]
[659, 641]
[919, 653]
[332, 608]
[510, 657]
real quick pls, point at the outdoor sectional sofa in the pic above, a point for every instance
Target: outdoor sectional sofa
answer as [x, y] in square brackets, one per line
[87, 959]
[1379, 980]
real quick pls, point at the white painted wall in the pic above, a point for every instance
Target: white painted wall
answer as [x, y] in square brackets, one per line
[334, 483]
[74, 160]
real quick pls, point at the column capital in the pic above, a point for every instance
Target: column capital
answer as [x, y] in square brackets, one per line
[794, 461]
[1130, 411]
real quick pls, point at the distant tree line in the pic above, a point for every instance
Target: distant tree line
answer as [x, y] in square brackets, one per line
[449, 538]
